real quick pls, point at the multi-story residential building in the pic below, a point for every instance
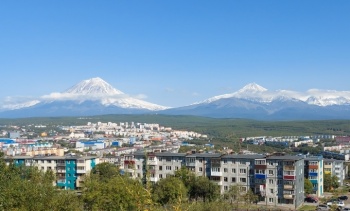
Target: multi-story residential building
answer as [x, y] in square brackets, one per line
[277, 179]
[329, 166]
[314, 172]
[69, 170]
[285, 180]
[337, 168]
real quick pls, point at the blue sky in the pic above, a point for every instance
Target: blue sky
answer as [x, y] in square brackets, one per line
[174, 52]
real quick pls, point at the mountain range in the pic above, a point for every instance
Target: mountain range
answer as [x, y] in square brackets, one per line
[96, 97]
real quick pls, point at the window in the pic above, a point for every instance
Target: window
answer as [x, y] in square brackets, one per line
[160, 158]
[242, 171]
[279, 181]
[215, 169]
[225, 179]
[138, 166]
[243, 189]
[168, 167]
[176, 168]
[244, 180]
[200, 160]
[260, 162]
[242, 162]
[225, 161]
[271, 172]
[160, 168]
[152, 175]
[271, 200]
[271, 181]
[49, 161]
[259, 171]
[151, 158]
[160, 176]
[233, 170]
[225, 188]
[270, 163]
[200, 169]
[271, 190]
[225, 170]
[233, 179]
[168, 159]
[138, 175]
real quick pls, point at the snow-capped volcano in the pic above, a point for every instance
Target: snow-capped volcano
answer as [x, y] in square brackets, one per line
[94, 86]
[256, 102]
[252, 88]
[88, 97]
[255, 92]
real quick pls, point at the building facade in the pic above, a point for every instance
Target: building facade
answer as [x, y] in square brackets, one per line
[276, 179]
[69, 170]
[314, 172]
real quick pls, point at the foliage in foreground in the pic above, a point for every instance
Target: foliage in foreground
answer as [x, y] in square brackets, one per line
[27, 188]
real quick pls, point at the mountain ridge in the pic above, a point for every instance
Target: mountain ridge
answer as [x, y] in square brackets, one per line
[95, 97]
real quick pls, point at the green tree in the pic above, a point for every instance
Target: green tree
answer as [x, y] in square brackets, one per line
[250, 197]
[105, 171]
[116, 193]
[169, 191]
[308, 188]
[334, 181]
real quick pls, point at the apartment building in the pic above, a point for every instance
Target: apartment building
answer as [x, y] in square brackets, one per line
[285, 180]
[340, 171]
[69, 170]
[314, 172]
[276, 179]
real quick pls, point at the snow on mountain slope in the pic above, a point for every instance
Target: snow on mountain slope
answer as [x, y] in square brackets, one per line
[13, 106]
[94, 89]
[257, 93]
[93, 86]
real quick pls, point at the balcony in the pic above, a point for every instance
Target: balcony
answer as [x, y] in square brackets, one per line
[81, 164]
[216, 173]
[191, 164]
[312, 174]
[314, 181]
[152, 162]
[61, 181]
[81, 171]
[127, 162]
[61, 164]
[313, 166]
[289, 177]
[61, 170]
[289, 187]
[260, 176]
[289, 168]
[288, 196]
[260, 166]
[154, 179]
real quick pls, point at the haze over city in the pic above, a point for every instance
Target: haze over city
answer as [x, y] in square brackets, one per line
[173, 53]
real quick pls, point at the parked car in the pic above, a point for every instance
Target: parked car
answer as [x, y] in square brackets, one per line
[336, 202]
[311, 199]
[346, 209]
[343, 198]
[322, 207]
